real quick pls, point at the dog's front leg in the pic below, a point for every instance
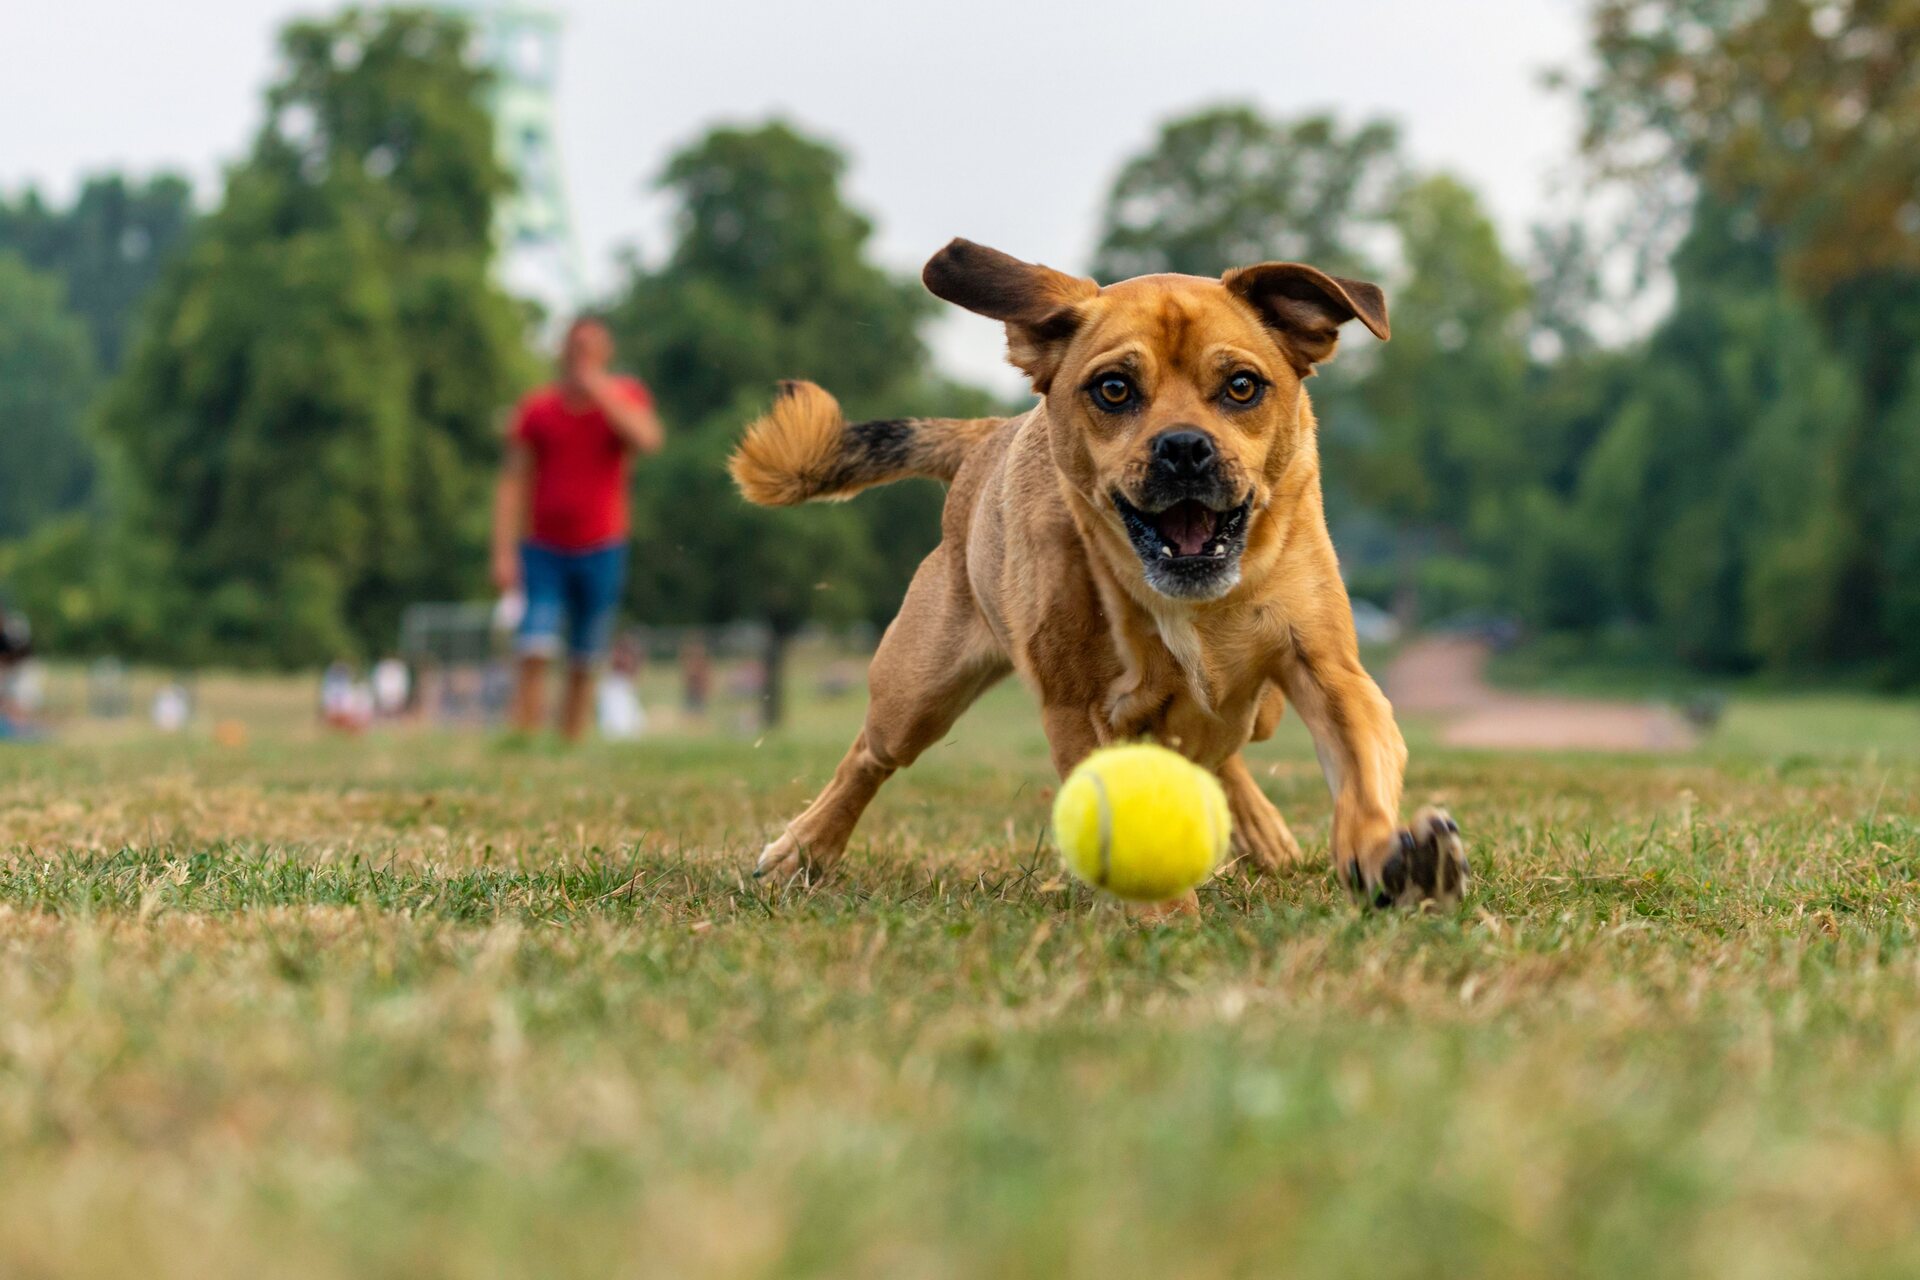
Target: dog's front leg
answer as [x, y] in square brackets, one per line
[1364, 758]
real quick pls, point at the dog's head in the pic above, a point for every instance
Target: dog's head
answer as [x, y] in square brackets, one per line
[1174, 402]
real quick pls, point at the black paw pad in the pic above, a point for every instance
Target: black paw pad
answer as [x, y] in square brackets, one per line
[1393, 877]
[1426, 864]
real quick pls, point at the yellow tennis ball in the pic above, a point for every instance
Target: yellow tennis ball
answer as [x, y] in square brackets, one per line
[1141, 822]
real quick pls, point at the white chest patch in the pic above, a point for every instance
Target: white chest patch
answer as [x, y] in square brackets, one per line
[1182, 639]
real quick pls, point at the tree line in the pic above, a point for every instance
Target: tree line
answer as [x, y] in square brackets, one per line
[254, 435]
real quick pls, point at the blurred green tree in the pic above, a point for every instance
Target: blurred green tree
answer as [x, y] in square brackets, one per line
[1790, 131]
[1446, 456]
[1565, 269]
[108, 247]
[307, 422]
[770, 277]
[47, 379]
[1552, 570]
[1807, 109]
[1901, 600]
[1227, 186]
[1712, 503]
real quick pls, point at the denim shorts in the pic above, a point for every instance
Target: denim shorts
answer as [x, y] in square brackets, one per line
[571, 596]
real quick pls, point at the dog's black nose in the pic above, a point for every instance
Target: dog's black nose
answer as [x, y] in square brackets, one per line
[1184, 452]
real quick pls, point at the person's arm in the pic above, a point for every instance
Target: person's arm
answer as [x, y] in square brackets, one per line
[509, 513]
[632, 416]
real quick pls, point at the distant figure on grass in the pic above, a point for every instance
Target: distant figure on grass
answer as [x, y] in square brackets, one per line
[346, 701]
[560, 518]
[696, 675]
[16, 648]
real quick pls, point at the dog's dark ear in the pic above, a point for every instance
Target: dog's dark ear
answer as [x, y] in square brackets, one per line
[1041, 307]
[1307, 306]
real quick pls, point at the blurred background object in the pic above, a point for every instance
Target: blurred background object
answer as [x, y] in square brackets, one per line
[19, 691]
[539, 254]
[617, 709]
[1650, 416]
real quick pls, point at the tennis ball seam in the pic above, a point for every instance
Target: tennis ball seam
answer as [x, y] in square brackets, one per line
[1104, 819]
[1213, 823]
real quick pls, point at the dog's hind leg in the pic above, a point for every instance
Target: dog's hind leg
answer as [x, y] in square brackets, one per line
[935, 659]
[1260, 835]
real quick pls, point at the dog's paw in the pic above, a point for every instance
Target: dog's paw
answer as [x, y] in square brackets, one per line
[1424, 862]
[785, 862]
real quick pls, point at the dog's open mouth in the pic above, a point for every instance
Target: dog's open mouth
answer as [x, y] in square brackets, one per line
[1188, 548]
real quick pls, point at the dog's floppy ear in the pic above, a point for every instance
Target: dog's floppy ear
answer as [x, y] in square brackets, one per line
[1306, 306]
[1039, 306]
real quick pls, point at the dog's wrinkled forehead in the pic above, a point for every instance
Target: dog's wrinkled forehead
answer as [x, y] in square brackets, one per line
[1171, 326]
[1285, 309]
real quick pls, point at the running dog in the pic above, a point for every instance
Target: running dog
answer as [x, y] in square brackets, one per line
[1146, 547]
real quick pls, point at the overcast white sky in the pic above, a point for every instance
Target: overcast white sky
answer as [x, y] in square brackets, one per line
[1000, 120]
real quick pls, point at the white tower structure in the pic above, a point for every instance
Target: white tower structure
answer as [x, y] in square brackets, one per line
[539, 257]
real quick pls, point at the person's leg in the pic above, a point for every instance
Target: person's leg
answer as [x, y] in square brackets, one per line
[539, 638]
[579, 703]
[529, 693]
[593, 598]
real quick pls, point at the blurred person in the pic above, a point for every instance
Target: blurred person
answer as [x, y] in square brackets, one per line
[336, 690]
[560, 518]
[16, 638]
[16, 649]
[346, 701]
[696, 675]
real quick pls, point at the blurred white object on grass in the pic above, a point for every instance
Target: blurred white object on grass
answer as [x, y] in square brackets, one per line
[508, 610]
[172, 708]
[1374, 625]
[621, 717]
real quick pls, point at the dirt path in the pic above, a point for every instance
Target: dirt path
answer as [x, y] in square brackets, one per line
[1441, 676]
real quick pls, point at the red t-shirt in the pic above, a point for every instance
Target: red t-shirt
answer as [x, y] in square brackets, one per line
[579, 467]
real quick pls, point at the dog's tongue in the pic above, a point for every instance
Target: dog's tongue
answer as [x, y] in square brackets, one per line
[1186, 526]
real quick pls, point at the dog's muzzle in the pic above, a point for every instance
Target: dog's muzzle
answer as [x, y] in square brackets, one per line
[1187, 523]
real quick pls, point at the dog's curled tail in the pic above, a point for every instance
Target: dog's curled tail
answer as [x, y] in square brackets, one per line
[804, 448]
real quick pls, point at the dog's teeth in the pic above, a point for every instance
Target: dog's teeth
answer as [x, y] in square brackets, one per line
[1219, 548]
[1166, 552]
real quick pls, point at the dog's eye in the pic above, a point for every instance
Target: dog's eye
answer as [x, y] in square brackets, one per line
[1113, 392]
[1244, 388]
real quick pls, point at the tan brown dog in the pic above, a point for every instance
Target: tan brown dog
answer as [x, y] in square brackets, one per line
[1146, 547]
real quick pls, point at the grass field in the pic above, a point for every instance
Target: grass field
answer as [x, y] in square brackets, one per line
[410, 1005]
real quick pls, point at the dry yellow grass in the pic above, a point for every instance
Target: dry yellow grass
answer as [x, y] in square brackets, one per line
[412, 1005]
